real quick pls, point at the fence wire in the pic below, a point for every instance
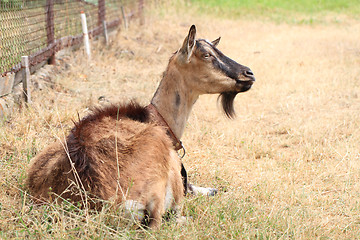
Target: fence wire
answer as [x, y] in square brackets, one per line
[35, 27]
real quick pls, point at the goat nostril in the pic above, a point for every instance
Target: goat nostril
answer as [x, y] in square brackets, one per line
[249, 73]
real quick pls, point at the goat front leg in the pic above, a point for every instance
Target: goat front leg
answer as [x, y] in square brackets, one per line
[189, 188]
[201, 190]
[156, 210]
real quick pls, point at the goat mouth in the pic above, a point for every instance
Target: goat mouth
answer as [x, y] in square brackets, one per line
[244, 86]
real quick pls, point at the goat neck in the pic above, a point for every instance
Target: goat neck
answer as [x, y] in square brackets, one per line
[174, 99]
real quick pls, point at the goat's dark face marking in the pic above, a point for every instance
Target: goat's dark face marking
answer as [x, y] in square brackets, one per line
[210, 71]
[242, 75]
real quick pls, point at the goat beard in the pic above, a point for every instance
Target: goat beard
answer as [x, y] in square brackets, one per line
[227, 102]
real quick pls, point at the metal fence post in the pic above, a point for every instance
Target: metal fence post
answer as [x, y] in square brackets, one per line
[85, 35]
[106, 36]
[124, 17]
[50, 28]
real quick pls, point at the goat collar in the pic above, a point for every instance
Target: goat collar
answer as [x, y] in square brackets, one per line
[159, 120]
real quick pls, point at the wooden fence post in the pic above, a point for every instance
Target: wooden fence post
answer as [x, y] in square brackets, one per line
[101, 18]
[26, 78]
[50, 28]
[141, 12]
[101, 12]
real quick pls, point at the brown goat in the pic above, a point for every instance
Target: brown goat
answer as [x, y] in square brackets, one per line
[126, 153]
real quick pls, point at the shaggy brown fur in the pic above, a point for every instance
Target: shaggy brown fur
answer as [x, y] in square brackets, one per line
[112, 154]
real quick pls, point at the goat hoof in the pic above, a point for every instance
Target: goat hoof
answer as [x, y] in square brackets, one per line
[201, 190]
[182, 220]
[212, 192]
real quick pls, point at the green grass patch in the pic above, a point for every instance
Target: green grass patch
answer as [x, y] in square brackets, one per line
[299, 11]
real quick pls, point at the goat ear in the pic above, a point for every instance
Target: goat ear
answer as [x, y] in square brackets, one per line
[189, 43]
[216, 41]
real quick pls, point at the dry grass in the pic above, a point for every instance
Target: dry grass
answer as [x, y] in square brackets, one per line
[288, 165]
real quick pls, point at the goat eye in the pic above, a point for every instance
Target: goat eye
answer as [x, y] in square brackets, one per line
[206, 55]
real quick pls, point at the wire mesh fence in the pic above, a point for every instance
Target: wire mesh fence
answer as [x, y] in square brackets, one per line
[39, 28]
